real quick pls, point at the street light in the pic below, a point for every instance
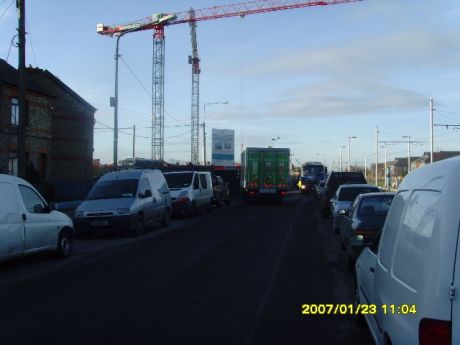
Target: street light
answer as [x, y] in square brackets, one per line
[408, 152]
[204, 127]
[341, 147]
[276, 141]
[349, 139]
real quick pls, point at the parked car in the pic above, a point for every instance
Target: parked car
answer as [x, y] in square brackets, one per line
[364, 220]
[319, 188]
[344, 197]
[27, 223]
[221, 191]
[125, 201]
[191, 191]
[413, 276]
[333, 181]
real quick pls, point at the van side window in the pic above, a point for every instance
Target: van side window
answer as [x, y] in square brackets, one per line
[144, 185]
[204, 183]
[414, 237]
[31, 199]
[391, 227]
[196, 182]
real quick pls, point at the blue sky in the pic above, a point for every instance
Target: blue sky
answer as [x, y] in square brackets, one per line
[311, 76]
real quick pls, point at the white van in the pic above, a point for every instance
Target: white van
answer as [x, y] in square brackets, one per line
[27, 224]
[413, 278]
[125, 201]
[190, 191]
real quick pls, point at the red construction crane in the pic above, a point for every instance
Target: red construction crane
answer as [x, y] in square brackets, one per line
[157, 22]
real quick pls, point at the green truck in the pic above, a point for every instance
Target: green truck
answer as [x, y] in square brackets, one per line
[264, 173]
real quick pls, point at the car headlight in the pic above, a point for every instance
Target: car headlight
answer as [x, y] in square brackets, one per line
[303, 186]
[122, 211]
[79, 214]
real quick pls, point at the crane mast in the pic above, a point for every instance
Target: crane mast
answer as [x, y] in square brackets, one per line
[195, 112]
[158, 21]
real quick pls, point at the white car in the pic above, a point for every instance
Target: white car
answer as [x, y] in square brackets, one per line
[411, 282]
[27, 225]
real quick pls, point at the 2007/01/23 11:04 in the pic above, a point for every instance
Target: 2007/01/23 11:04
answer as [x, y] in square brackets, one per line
[356, 309]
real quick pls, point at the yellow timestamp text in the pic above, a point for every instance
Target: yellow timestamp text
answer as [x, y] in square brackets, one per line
[357, 309]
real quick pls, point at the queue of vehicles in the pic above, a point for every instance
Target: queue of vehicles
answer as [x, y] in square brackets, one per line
[120, 201]
[404, 248]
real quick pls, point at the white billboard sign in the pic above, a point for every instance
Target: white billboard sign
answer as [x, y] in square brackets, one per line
[223, 147]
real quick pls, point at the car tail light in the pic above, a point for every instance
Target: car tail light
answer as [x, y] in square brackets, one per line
[435, 332]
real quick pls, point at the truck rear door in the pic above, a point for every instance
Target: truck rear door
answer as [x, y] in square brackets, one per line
[283, 169]
[254, 169]
[269, 169]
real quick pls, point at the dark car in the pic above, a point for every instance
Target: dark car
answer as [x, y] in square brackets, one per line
[334, 180]
[221, 191]
[363, 222]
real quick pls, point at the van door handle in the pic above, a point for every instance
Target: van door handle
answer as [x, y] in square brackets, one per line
[372, 269]
[154, 200]
[24, 217]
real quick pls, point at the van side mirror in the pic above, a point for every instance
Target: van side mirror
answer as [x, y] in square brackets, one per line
[146, 194]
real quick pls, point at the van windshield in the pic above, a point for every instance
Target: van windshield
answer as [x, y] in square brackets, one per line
[113, 189]
[179, 180]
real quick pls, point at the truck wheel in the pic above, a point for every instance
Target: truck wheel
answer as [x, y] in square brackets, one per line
[65, 245]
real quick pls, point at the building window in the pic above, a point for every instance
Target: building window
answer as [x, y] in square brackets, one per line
[14, 112]
[13, 164]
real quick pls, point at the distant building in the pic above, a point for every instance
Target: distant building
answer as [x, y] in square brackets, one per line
[59, 128]
[437, 156]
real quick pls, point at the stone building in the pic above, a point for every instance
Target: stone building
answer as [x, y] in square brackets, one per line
[59, 131]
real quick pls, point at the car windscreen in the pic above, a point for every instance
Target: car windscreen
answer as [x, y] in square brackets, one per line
[179, 180]
[114, 189]
[375, 205]
[349, 194]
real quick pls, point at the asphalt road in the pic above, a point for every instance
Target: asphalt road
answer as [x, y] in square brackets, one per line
[238, 275]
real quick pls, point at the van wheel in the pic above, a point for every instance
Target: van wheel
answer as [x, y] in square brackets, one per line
[227, 201]
[219, 202]
[65, 245]
[211, 204]
[140, 226]
[166, 218]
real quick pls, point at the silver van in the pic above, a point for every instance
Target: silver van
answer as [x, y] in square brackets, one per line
[190, 191]
[125, 201]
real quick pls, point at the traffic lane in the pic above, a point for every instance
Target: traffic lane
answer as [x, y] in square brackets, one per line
[117, 299]
[309, 274]
[91, 249]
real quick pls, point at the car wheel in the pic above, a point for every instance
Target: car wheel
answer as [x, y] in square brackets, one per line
[140, 226]
[166, 218]
[65, 244]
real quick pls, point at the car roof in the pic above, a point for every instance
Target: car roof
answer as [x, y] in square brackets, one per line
[356, 185]
[125, 174]
[15, 179]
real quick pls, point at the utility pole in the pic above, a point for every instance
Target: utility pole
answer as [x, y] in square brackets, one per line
[408, 152]
[134, 141]
[204, 143]
[431, 130]
[349, 140]
[21, 149]
[365, 167]
[376, 155]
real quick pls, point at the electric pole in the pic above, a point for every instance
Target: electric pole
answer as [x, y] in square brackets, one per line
[21, 149]
[376, 155]
[431, 130]
[134, 141]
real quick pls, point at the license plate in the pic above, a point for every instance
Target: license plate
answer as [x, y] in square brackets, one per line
[267, 191]
[99, 223]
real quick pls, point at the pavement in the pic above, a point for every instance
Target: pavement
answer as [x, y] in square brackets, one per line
[237, 275]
